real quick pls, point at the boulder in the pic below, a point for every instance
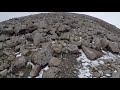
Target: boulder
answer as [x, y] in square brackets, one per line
[3, 38]
[24, 51]
[73, 49]
[42, 57]
[54, 61]
[65, 36]
[64, 28]
[104, 43]
[113, 47]
[91, 53]
[51, 72]
[19, 63]
[37, 38]
[4, 73]
[4, 66]
[1, 45]
[57, 48]
[97, 43]
[10, 43]
[35, 71]
[11, 57]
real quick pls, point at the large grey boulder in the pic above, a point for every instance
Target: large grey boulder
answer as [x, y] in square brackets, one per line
[51, 72]
[35, 71]
[91, 53]
[113, 47]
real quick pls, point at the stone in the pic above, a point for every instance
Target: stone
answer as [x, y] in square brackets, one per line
[104, 43]
[57, 48]
[11, 57]
[51, 72]
[3, 73]
[9, 30]
[19, 63]
[4, 66]
[10, 43]
[1, 53]
[24, 51]
[54, 61]
[17, 48]
[3, 38]
[91, 53]
[37, 38]
[73, 49]
[116, 75]
[96, 74]
[97, 43]
[107, 71]
[19, 27]
[42, 57]
[1, 45]
[113, 47]
[65, 36]
[63, 28]
[35, 71]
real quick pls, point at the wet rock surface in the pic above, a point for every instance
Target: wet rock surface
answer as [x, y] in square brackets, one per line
[57, 40]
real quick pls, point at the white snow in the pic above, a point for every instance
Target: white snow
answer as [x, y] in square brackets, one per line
[84, 72]
[30, 64]
[40, 74]
[19, 55]
[46, 68]
[108, 75]
[42, 71]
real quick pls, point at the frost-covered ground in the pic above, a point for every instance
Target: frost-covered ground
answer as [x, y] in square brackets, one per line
[84, 72]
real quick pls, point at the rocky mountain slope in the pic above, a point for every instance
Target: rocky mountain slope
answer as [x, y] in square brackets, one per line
[59, 45]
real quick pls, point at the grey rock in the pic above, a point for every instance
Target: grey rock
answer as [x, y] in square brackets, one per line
[35, 71]
[10, 43]
[57, 48]
[4, 66]
[1, 53]
[1, 45]
[104, 42]
[73, 49]
[91, 53]
[3, 38]
[51, 72]
[65, 36]
[113, 47]
[97, 43]
[19, 63]
[107, 71]
[64, 28]
[96, 74]
[4, 73]
[11, 57]
[37, 38]
[24, 51]
[19, 27]
[42, 57]
[54, 61]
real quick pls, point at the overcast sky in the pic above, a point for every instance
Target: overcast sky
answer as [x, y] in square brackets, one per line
[111, 17]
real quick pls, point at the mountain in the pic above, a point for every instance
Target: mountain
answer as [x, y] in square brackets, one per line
[59, 45]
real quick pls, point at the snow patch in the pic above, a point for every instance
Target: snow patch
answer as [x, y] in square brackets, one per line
[19, 55]
[84, 72]
[42, 71]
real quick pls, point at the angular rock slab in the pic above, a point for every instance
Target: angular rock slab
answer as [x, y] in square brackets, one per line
[91, 53]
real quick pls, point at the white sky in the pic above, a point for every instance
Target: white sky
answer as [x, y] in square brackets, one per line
[111, 17]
